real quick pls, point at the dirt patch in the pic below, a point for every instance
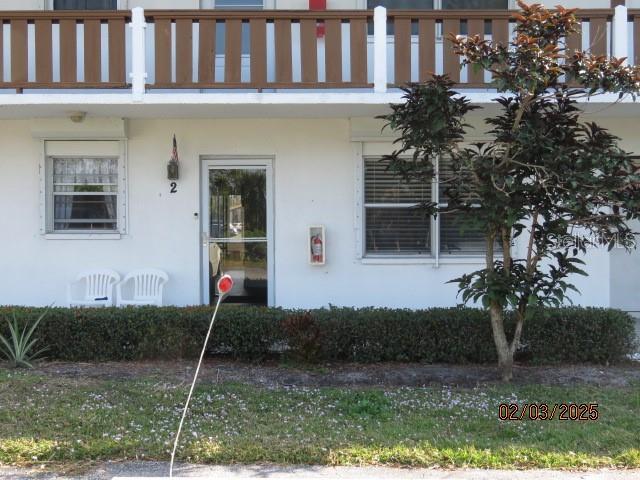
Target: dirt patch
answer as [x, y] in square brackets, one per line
[346, 375]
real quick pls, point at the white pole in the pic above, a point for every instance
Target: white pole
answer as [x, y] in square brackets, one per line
[138, 61]
[380, 50]
[620, 35]
[193, 385]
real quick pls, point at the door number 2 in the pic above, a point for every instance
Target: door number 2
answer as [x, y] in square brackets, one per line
[174, 187]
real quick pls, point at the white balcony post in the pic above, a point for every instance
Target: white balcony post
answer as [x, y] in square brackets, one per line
[138, 53]
[620, 35]
[380, 50]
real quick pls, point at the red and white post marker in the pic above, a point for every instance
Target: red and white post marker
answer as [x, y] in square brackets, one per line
[225, 285]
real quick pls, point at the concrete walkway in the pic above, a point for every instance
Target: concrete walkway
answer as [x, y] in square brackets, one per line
[149, 470]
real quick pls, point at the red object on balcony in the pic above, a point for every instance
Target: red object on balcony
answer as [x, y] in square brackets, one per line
[318, 5]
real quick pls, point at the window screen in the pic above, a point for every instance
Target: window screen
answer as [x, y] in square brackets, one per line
[85, 4]
[456, 237]
[84, 194]
[393, 223]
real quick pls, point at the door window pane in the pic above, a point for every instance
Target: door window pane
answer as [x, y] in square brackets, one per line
[246, 262]
[238, 203]
[238, 233]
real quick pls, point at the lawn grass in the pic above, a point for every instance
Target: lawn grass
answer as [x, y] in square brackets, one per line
[67, 421]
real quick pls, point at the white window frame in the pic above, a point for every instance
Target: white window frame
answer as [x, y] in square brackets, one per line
[240, 162]
[434, 258]
[432, 224]
[46, 192]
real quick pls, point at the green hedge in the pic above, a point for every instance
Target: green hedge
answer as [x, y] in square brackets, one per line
[438, 335]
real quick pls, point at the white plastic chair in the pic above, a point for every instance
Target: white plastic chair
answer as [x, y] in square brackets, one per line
[98, 288]
[147, 287]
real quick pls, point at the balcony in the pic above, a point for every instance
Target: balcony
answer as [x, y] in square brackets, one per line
[142, 53]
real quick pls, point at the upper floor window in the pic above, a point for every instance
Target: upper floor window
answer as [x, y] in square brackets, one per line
[475, 4]
[440, 4]
[85, 4]
[403, 4]
[240, 4]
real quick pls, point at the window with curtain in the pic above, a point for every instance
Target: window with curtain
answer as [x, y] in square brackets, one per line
[83, 194]
[85, 4]
[395, 225]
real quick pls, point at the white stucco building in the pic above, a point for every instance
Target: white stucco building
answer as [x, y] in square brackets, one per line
[274, 116]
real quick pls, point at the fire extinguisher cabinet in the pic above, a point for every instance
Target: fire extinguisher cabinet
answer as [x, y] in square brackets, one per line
[317, 245]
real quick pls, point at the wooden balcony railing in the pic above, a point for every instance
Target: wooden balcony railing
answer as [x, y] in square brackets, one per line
[634, 22]
[256, 50]
[246, 34]
[433, 51]
[52, 39]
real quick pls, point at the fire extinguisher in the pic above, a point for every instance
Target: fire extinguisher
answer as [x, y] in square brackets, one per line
[316, 248]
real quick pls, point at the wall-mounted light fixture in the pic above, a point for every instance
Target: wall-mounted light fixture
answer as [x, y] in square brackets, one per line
[77, 117]
[173, 167]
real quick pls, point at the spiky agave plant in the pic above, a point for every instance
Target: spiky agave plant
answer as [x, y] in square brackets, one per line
[18, 348]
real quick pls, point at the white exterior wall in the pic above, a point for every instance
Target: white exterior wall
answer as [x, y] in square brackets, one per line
[624, 280]
[24, 4]
[314, 170]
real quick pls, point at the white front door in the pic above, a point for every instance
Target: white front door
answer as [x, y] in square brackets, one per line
[237, 219]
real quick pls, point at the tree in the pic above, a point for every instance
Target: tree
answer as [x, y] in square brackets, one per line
[545, 177]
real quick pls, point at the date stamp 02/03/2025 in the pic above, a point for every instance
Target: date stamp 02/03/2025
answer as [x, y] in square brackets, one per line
[547, 411]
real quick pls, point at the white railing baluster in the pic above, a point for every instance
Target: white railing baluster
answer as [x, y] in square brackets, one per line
[620, 37]
[380, 50]
[138, 53]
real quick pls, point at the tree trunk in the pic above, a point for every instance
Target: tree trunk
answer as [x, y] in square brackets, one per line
[505, 355]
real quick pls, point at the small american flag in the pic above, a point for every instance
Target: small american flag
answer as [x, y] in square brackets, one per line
[174, 154]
